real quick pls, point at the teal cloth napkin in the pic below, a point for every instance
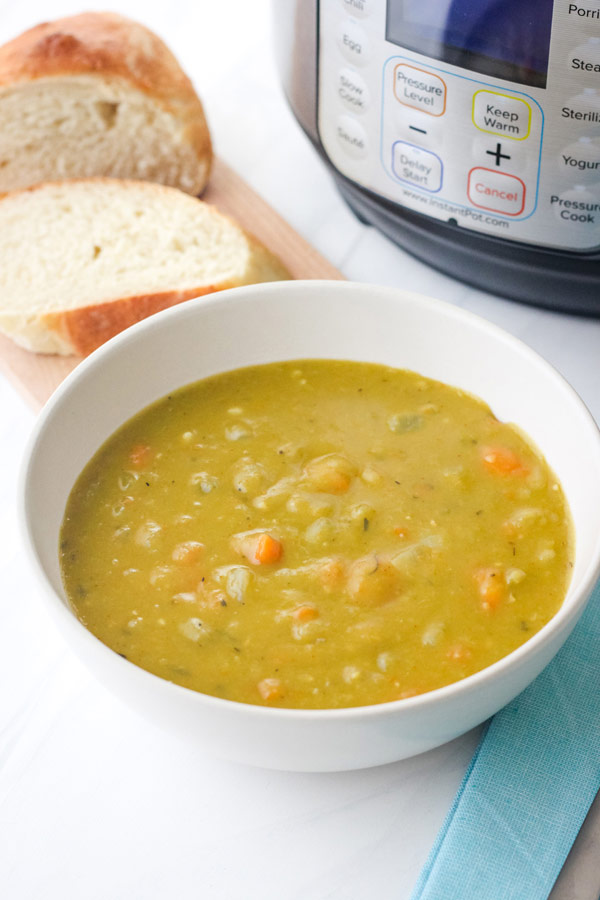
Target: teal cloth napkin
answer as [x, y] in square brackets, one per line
[529, 785]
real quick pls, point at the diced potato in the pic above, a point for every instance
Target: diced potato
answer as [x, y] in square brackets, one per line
[331, 473]
[372, 580]
[147, 533]
[188, 552]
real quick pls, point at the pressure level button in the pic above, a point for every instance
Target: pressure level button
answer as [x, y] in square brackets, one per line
[420, 89]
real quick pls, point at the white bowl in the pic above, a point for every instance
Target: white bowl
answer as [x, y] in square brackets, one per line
[295, 320]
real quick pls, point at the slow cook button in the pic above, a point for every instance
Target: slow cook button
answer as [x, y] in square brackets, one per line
[496, 191]
[420, 89]
[353, 91]
[352, 137]
[577, 208]
[354, 43]
[417, 166]
[501, 114]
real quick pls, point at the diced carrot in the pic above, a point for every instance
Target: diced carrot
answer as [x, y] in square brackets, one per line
[268, 549]
[188, 552]
[141, 455]
[304, 613]
[490, 585]
[270, 689]
[401, 531]
[502, 461]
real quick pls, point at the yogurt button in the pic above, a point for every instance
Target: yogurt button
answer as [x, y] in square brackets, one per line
[352, 90]
[354, 43]
[581, 159]
[352, 137]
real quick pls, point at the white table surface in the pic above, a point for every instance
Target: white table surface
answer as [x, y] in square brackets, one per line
[97, 804]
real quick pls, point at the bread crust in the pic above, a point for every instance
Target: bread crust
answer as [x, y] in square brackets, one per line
[86, 328]
[112, 46]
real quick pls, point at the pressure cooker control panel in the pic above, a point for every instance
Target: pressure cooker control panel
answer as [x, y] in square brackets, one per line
[468, 127]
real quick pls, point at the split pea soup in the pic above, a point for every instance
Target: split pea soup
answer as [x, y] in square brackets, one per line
[316, 534]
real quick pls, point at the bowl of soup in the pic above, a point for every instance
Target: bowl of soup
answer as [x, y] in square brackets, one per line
[314, 525]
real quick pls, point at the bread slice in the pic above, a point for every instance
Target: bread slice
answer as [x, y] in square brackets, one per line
[82, 260]
[98, 94]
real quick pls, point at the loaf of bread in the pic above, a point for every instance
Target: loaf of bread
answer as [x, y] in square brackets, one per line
[82, 260]
[98, 94]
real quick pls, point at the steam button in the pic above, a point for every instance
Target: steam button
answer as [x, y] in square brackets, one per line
[586, 57]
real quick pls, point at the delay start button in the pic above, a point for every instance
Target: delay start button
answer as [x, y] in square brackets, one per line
[496, 191]
[416, 166]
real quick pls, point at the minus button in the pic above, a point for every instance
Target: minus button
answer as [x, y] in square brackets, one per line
[420, 130]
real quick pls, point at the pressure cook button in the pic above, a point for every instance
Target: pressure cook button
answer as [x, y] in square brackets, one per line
[582, 158]
[353, 91]
[501, 114]
[416, 166]
[496, 191]
[577, 208]
[420, 89]
[359, 8]
[352, 137]
[354, 43]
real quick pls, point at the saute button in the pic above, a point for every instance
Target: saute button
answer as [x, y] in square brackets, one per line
[416, 166]
[354, 43]
[501, 114]
[496, 191]
[352, 137]
[353, 91]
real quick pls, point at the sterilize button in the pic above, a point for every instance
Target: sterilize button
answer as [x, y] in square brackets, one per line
[359, 8]
[416, 166]
[354, 43]
[582, 159]
[352, 137]
[584, 108]
[501, 114]
[353, 91]
[578, 208]
[496, 191]
[420, 89]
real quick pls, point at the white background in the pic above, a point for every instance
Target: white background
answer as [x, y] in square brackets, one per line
[96, 804]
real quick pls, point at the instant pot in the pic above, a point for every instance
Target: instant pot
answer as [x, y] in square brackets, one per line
[468, 131]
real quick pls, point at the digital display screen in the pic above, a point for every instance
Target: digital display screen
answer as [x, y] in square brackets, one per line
[508, 39]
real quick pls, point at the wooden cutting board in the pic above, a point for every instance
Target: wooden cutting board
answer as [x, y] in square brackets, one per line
[37, 375]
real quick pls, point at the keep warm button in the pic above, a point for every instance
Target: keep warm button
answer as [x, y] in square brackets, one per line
[496, 191]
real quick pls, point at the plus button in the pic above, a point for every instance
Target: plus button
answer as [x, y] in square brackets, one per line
[498, 154]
